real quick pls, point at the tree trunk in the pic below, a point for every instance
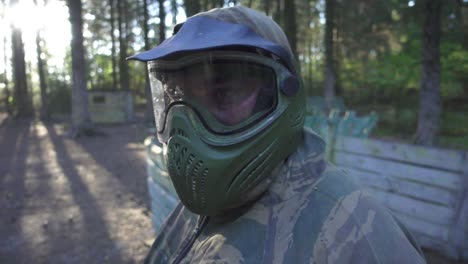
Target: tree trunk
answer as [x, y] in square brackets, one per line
[218, 3]
[81, 120]
[290, 24]
[174, 11]
[114, 63]
[277, 15]
[22, 102]
[330, 74]
[23, 107]
[309, 44]
[149, 112]
[162, 21]
[310, 66]
[192, 7]
[429, 97]
[204, 5]
[266, 6]
[123, 67]
[460, 21]
[5, 72]
[127, 33]
[41, 66]
[5, 78]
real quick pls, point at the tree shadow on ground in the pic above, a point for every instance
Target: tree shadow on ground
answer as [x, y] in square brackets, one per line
[120, 148]
[94, 229]
[14, 142]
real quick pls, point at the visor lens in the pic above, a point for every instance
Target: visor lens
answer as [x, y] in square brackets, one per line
[230, 91]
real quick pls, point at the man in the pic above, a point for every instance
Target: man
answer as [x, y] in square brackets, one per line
[253, 184]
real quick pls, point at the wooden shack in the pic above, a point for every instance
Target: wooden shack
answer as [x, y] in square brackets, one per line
[110, 106]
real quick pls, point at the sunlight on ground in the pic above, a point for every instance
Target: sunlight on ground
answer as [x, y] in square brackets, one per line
[65, 205]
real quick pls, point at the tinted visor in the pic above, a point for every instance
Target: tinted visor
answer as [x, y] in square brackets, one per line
[228, 92]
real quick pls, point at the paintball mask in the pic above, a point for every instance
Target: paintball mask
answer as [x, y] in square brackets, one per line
[227, 118]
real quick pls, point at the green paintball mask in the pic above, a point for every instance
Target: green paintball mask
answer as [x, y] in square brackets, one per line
[227, 120]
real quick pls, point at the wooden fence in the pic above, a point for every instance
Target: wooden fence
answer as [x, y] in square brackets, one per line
[426, 188]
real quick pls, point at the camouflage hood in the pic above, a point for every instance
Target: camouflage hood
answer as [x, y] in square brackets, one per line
[311, 213]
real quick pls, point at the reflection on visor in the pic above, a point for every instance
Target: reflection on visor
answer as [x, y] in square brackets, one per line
[231, 91]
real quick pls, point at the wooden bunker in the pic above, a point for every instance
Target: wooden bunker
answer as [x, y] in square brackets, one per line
[110, 106]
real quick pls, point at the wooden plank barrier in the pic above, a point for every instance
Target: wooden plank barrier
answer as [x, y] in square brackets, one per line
[426, 188]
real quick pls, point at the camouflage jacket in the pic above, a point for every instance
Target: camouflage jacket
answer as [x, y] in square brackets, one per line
[312, 213]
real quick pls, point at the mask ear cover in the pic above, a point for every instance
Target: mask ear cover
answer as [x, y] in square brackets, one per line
[290, 85]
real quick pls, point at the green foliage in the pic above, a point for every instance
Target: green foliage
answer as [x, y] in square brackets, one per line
[454, 73]
[460, 142]
[455, 124]
[100, 72]
[453, 134]
[392, 73]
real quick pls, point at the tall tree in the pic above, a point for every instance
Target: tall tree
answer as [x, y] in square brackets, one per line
[330, 74]
[5, 71]
[192, 7]
[429, 97]
[290, 24]
[112, 24]
[149, 114]
[174, 11]
[162, 21]
[123, 66]
[266, 6]
[41, 69]
[277, 14]
[23, 102]
[81, 120]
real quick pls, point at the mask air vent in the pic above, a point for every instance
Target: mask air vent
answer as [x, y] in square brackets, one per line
[195, 175]
[188, 173]
[198, 179]
[178, 132]
[194, 179]
[177, 157]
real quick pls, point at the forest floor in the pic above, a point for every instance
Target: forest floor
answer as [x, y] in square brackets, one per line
[82, 200]
[66, 200]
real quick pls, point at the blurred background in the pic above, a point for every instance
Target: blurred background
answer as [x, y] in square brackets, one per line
[74, 113]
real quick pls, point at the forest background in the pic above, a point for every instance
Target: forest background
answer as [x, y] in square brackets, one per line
[407, 60]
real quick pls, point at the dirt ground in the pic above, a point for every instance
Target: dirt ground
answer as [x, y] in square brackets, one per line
[82, 200]
[68, 200]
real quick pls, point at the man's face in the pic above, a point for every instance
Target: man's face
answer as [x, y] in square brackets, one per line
[227, 88]
[229, 98]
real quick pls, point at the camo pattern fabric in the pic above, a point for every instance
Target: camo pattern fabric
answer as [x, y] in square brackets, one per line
[312, 213]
